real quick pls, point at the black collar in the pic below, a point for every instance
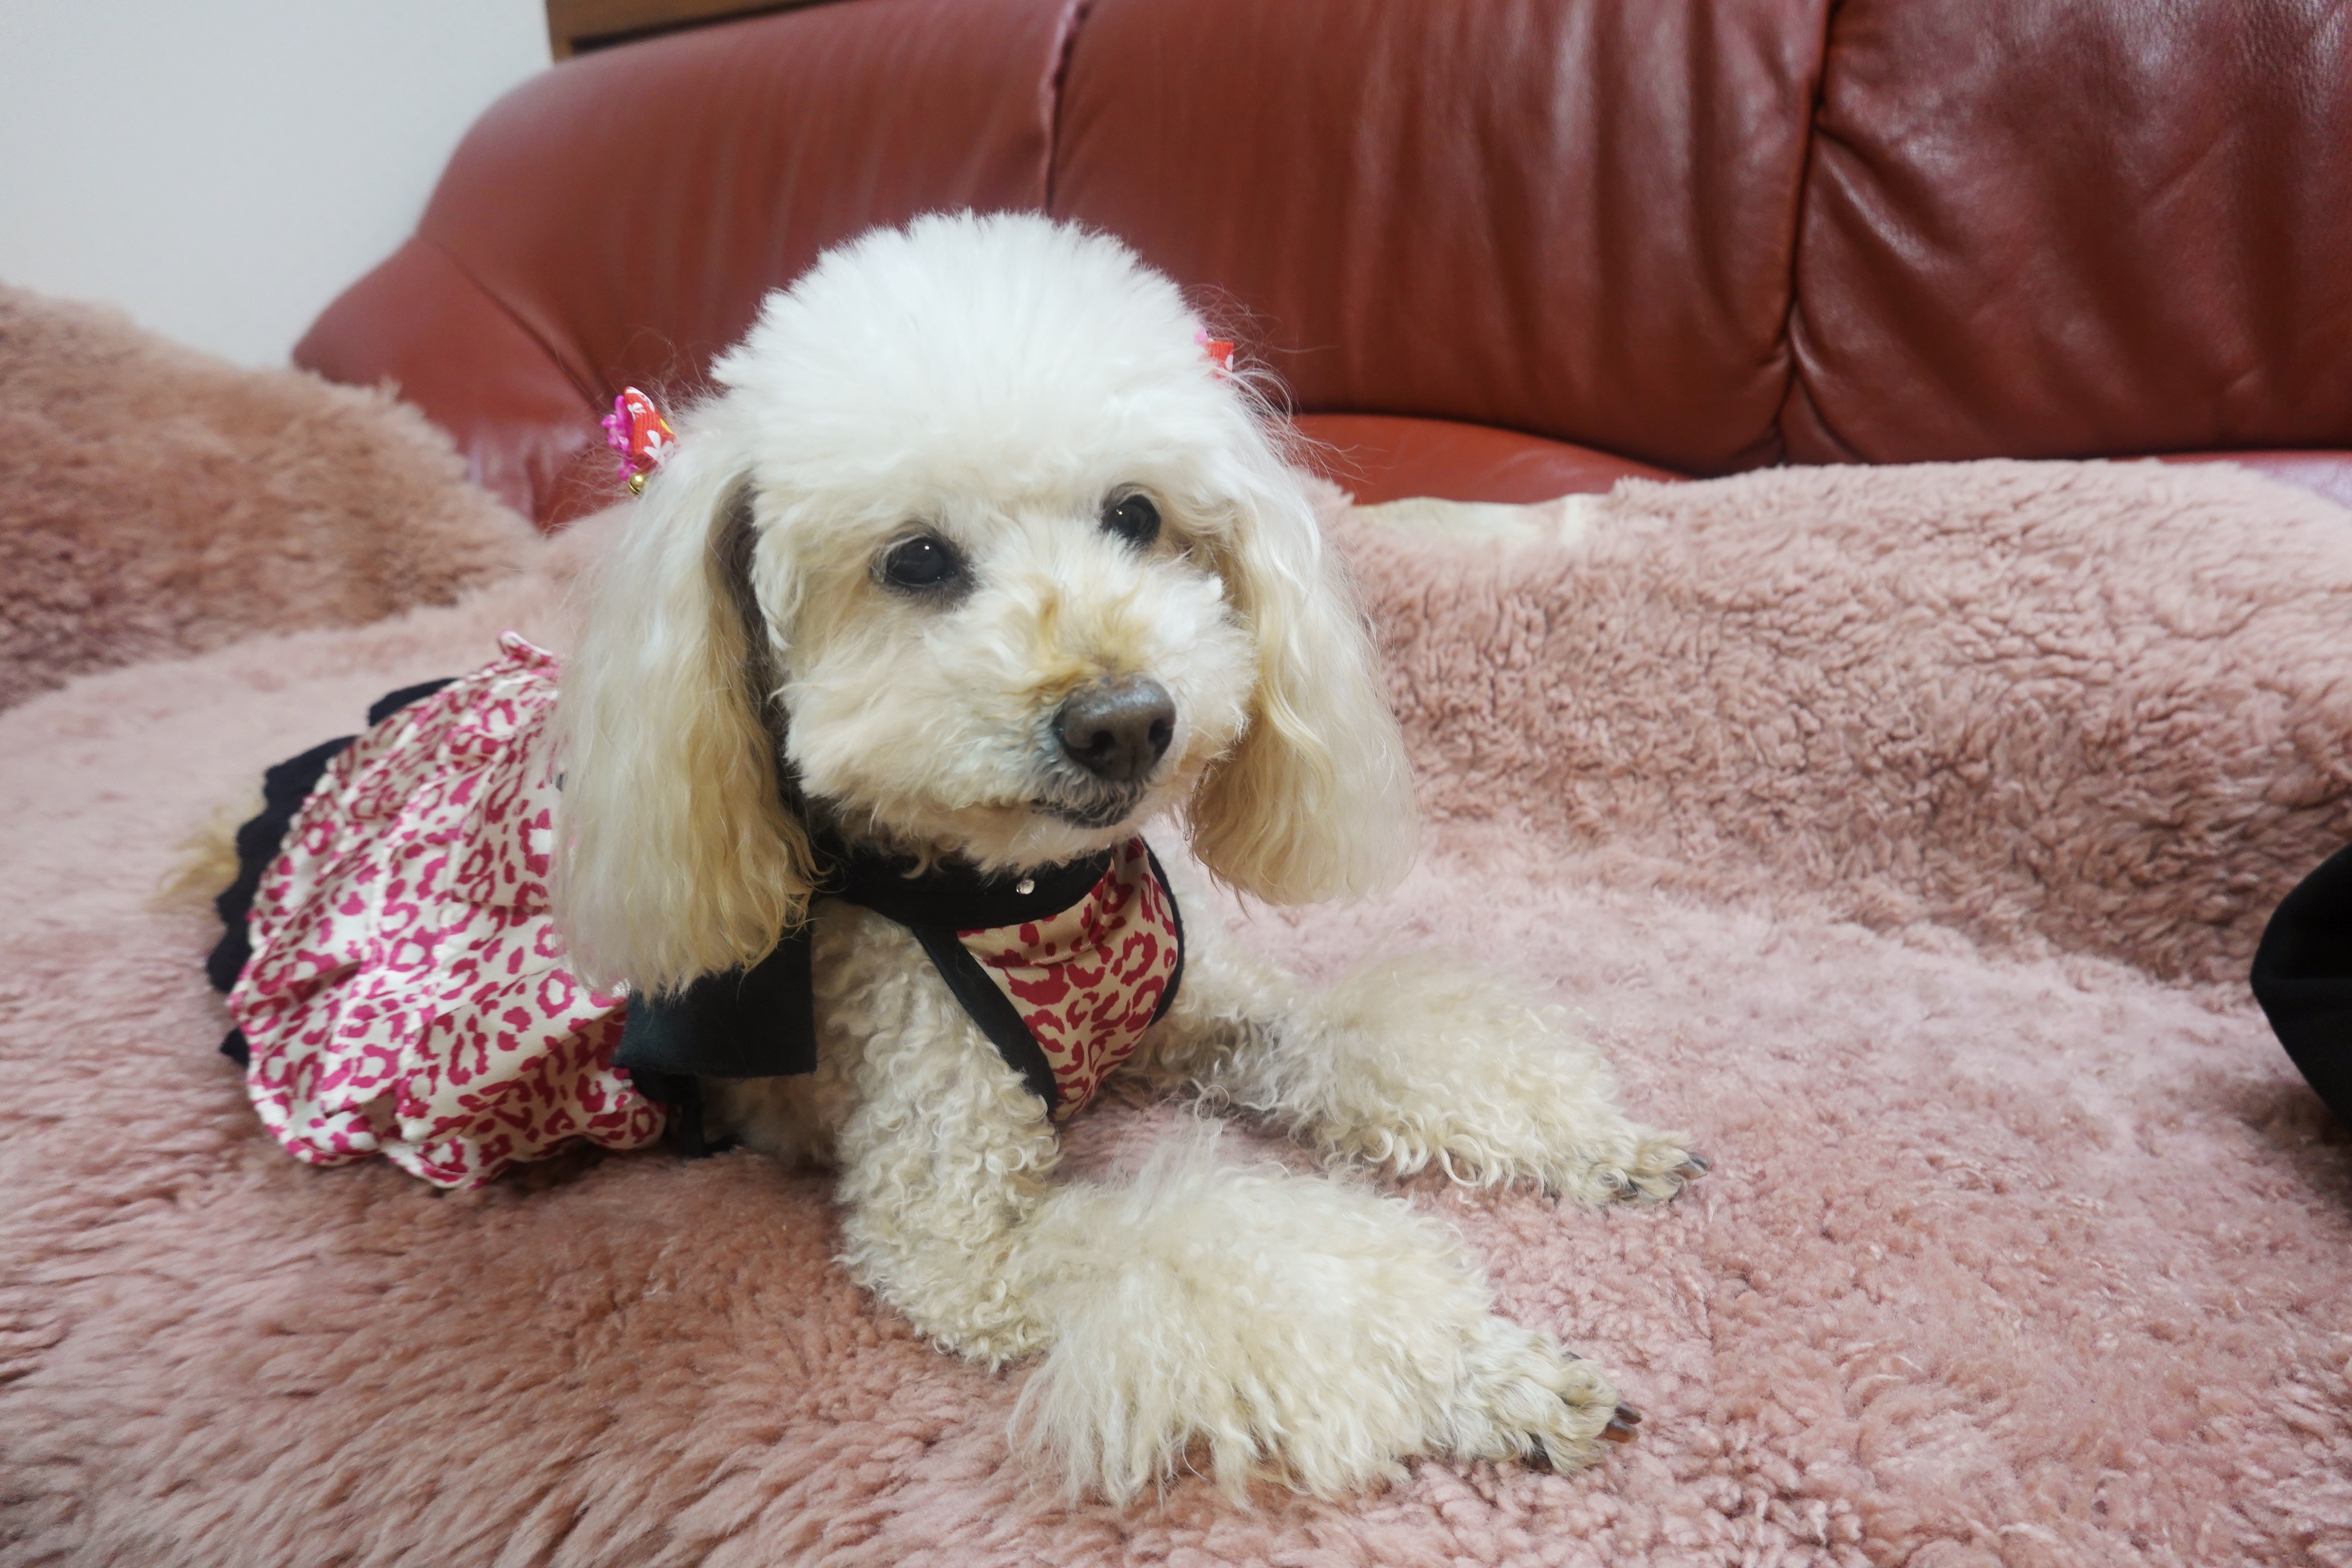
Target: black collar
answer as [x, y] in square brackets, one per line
[952, 895]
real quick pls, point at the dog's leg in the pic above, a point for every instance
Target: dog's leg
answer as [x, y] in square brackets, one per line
[945, 1157]
[1282, 1325]
[1412, 1063]
[1271, 1325]
[1277, 1325]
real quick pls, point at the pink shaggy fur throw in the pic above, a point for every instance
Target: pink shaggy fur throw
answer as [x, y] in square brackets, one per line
[1905, 832]
[154, 500]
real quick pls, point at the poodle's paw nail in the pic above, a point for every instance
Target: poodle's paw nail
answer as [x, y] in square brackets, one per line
[1618, 1431]
[1628, 1414]
[1539, 1403]
[1655, 1171]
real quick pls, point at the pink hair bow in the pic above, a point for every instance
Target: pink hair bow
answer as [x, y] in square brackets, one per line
[639, 435]
[1219, 353]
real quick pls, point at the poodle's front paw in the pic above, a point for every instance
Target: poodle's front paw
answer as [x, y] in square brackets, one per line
[1269, 1327]
[1424, 1064]
[1528, 1399]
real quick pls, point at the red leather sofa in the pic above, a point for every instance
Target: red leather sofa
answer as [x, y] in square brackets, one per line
[1496, 249]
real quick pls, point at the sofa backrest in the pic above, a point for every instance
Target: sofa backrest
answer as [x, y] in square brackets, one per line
[1709, 235]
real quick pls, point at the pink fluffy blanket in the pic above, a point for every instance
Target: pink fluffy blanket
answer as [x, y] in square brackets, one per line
[1903, 831]
[156, 501]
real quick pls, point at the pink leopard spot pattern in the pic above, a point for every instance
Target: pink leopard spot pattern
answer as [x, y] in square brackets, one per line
[406, 996]
[1087, 981]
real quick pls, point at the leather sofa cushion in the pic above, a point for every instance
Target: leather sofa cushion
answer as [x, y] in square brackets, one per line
[1707, 235]
[2053, 229]
[1570, 220]
[631, 207]
[418, 322]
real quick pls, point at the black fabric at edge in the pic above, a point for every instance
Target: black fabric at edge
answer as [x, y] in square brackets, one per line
[2302, 978]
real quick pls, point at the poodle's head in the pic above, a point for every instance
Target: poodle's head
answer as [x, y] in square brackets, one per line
[976, 555]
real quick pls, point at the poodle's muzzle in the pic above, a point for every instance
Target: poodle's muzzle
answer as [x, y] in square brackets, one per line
[1116, 732]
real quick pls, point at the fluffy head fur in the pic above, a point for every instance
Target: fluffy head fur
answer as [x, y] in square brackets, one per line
[994, 384]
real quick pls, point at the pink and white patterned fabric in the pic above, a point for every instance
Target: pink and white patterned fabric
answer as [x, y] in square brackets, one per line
[1086, 982]
[406, 996]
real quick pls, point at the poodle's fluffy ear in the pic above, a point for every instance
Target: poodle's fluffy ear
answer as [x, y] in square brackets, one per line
[1317, 799]
[675, 855]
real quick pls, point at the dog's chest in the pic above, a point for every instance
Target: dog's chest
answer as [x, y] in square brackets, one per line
[1090, 981]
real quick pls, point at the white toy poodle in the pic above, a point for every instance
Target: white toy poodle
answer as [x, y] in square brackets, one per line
[979, 561]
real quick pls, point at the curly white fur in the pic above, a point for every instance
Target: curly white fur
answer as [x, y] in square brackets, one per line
[992, 386]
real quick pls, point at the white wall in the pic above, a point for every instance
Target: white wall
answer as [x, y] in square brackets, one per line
[223, 168]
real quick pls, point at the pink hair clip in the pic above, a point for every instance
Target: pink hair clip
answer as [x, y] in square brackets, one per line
[1219, 353]
[639, 435]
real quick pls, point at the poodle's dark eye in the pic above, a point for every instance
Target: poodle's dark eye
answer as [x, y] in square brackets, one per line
[921, 565]
[1133, 519]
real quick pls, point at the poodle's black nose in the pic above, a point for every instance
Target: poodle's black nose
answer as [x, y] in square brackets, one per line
[1119, 729]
